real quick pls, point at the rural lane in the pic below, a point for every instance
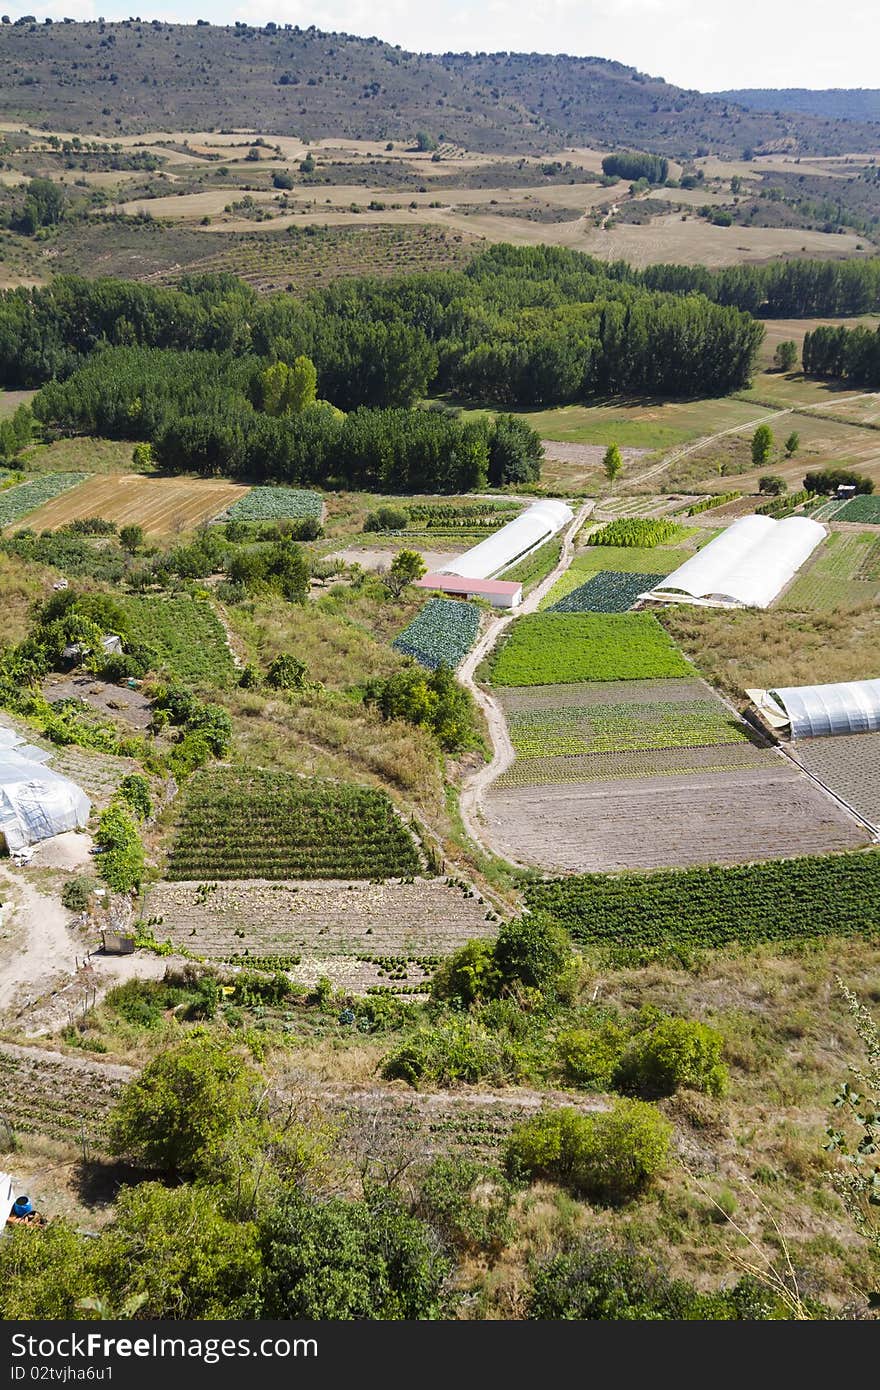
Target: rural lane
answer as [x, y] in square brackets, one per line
[502, 749]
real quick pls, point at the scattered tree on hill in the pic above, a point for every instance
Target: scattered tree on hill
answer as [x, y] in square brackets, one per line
[612, 463]
[792, 444]
[131, 537]
[762, 445]
[785, 356]
[432, 700]
[406, 567]
[772, 485]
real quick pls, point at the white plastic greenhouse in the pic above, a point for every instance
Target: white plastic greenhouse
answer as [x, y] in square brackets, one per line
[745, 567]
[813, 711]
[35, 803]
[517, 539]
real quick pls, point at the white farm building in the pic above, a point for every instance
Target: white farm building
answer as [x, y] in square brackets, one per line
[747, 566]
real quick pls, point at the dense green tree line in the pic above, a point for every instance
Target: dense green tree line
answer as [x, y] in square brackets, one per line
[782, 289]
[851, 354]
[631, 165]
[522, 325]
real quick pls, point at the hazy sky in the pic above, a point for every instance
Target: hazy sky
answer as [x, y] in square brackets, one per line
[708, 44]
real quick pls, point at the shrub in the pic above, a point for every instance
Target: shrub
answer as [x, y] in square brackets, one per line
[386, 519]
[286, 673]
[121, 863]
[135, 792]
[469, 975]
[459, 1049]
[75, 894]
[590, 1056]
[533, 951]
[468, 1204]
[676, 1052]
[610, 1157]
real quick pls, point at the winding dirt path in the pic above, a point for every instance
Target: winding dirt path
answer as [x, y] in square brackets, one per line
[472, 792]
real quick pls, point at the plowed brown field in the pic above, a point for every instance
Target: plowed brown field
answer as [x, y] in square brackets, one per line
[162, 506]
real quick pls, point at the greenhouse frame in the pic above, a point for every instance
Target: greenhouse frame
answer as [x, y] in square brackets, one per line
[491, 557]
[747, 566]
[817, 711]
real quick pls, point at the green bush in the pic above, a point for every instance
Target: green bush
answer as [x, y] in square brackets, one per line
[121, 862]
[458, 1049]
[590, 1056]
[135, 792]
[676, 1052]
[386, 519]
[610, 1157]
[75, 894]
[468, 1204]
[468, 976]
[534, 952]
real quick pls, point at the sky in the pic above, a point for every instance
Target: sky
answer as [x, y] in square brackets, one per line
[706, 44]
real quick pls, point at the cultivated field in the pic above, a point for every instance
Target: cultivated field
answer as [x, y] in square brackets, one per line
[842, 573]
[162, 506]
[186, 635]
[711, 818]
[549, 648]
[848, 764]
[362, 935]
[65, 1098]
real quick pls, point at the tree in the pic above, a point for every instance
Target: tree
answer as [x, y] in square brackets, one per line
[612, 463]
[406, 567]
[515, 452]
[307, 165]
[792, 444]
[425, 142]
[432, 700]
[610, 1157]
[175, 1115]
[131, 537]
[289, 390]
[762, 445]
[286, 672]
[533, 951]
[785, 356]
[772, 485]
[142, 456]
[42, 1272]
[344, 1261]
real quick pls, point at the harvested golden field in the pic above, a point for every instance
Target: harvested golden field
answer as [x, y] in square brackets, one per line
[162, 506]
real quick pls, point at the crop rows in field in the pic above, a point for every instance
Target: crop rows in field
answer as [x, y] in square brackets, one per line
[615, 559]
[850, 765]
[16, 502]
[186, 635]
[843, 574]
[276, 504]
[550, 770]
[623, 727]
[340, 929]
[552, 648]
[58, 1097]
[441, 634]
[238, 824]
[635, 532]
[607, 592]
[803, 897]
[642, 506]
[864, 509]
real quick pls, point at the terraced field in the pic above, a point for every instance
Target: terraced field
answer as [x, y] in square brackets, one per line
[162, 506]
[658, 822]
[253, 824]
[187, 636]
[63, 1098]
[849, 764]
[345, 929]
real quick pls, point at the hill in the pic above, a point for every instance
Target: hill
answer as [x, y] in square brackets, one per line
[138, 75]
[833, 103]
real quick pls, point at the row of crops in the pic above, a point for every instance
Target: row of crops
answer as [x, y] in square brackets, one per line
[642, 532]
[623, 727]
[828, 896]
[256, 824]
[555, 648]
[186, 635]
[618, 559]
[276, 504]
[609, 591]
[441, 634]
[16, 502]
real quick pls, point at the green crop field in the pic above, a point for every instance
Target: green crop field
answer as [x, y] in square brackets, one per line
[637, 533]
[623, 728]
[825, 896]
[186, 635]
[276, 504]
[843, 573]
[238, 824]
[551, 648]
[865, 508]
[606, 592]
[614, 559]
[16, 502]
[441, 634]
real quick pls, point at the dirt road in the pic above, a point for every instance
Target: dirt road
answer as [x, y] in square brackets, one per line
[503, 753]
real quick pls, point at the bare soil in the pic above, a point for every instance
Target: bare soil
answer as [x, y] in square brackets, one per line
[129, 706]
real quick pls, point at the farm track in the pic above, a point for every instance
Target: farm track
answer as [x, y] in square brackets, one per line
[473, 790]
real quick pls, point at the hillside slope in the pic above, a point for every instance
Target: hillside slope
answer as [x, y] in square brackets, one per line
[833, 103]
[140, 75]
